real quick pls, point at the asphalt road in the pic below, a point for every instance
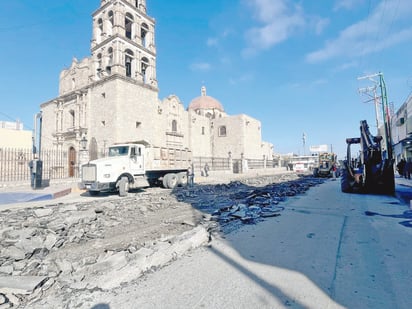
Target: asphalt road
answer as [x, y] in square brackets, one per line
[327, 250]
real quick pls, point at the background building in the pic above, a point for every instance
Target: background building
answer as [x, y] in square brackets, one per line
[12, 135]
[112, 97]
[402, 131]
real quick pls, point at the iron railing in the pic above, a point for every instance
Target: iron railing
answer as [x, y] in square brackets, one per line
[14, 164]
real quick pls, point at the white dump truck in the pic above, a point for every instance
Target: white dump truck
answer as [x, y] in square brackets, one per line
[136, 165]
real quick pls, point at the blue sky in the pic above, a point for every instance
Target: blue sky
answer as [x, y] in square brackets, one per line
[293, 65]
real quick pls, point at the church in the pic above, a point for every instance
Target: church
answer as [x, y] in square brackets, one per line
[113, 97]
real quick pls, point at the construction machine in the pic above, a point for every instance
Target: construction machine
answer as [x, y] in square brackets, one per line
[371, 171]
[326, 165]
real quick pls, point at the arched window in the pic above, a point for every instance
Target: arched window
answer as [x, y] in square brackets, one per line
[128, 22]
[145, 65]
[128, 62]
[222, 131]
[143, 34]
[72, 118]
[111, 18]
[100, 25]
[99, 63]
[110, 63]
[99, 30]
[109, 29]
[174, 126]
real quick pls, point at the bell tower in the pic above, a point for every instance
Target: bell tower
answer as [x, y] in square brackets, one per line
[123, 42]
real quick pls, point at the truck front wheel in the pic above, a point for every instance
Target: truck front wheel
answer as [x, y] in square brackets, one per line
[123, 186]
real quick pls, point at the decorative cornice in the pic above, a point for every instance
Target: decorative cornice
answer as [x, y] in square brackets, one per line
[85, 89]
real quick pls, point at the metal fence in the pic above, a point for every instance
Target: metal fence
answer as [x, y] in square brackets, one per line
[232, 165]
[14, 164]
[215, 164]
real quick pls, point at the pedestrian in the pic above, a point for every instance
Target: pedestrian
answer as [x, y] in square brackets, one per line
[401, 166]
[190, 175]
[206, 169]
[408, 168]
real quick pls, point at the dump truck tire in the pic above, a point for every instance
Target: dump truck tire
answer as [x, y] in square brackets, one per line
[123, 186]
[165, 180]
[181, 179]
[172, 181]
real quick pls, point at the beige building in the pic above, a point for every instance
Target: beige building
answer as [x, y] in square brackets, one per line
[12, 135]
[112, 97]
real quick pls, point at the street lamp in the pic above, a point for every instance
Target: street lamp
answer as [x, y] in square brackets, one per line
[83, 143]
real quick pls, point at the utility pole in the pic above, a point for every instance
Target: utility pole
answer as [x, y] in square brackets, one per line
[304, 142]
[385, 112]
[375, 100]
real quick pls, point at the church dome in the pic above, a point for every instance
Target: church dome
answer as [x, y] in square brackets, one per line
[205, 102]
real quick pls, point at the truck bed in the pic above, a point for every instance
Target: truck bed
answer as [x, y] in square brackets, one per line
[163, 158]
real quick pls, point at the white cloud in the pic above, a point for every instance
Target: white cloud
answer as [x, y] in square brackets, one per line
[320, 24]
[376, 33]
[201, 66]
[241, 79]
[212, 42]
[346, 66]
[278, 21]
[347, 4]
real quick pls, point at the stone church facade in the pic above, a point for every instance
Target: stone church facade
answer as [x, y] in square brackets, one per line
[112, 97]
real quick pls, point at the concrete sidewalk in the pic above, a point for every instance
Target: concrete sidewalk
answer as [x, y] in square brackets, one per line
[403, 190]
[403, 181]
[12, 193]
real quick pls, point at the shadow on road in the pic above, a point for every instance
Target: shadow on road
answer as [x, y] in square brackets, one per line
[299, 245]
[241, 205]
[405, 215]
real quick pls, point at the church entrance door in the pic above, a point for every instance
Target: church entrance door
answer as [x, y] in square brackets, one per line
[72, 161]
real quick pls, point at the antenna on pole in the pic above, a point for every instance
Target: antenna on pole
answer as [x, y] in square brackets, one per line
[385, 112]
[304, 142]
[374, 98]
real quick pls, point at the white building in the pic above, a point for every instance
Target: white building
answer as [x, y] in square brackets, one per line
[12, 135]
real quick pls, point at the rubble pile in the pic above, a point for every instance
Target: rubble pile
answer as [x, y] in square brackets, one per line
[73, 246]
[57, 250]
[248, 201]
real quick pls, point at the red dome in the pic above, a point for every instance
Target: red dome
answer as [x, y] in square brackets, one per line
[205, 102]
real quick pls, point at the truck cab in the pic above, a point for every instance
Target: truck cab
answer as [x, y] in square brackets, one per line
[123, 161]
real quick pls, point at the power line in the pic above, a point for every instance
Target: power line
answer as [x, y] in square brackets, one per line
[365, 33]
[9, 117]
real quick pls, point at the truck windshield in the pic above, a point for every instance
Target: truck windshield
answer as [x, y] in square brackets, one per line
[118, 151]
